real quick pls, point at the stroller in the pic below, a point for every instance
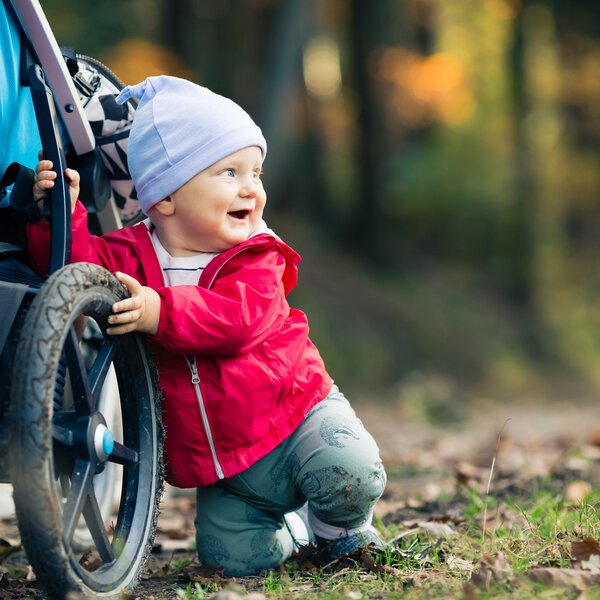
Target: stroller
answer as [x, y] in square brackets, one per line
[80, 427]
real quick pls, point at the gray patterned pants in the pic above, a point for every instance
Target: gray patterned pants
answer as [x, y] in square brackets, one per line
[330, 460]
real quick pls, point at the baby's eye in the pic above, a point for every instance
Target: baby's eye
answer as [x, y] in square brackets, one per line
[229, 173]
[257, 173]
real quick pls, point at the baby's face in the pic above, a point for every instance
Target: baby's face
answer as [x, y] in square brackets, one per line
[222, 205]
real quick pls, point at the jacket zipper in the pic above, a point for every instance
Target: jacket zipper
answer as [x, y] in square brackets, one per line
[196, 383]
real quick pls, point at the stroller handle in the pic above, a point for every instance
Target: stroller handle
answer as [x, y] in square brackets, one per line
[58, 208]
[36, 26]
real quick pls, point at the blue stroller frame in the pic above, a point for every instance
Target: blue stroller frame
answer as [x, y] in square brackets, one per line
[80, 428]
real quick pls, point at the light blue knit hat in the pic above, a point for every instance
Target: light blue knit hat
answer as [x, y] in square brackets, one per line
[180, 129]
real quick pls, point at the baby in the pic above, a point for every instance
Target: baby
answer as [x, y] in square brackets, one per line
[253, 420]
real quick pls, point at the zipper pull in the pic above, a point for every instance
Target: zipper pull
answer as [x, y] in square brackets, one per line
[194, 370]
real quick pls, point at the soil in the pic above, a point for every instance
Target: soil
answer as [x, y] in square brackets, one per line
[423, 461]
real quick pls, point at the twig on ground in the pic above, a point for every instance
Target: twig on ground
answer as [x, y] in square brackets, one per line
[489, 483]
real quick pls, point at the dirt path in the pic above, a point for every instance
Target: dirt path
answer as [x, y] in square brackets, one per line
[422, 461]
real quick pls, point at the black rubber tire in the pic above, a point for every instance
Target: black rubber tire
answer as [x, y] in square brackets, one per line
[40, 452]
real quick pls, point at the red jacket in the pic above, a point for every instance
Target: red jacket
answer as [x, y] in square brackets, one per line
[258, 373]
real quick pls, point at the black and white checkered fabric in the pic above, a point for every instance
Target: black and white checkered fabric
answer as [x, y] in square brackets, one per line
[110, 122]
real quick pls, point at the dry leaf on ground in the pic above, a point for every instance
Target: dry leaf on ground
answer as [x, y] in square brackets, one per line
[593, 564]
[436, 529]
[492, 569]
[574, 579]
[369, 562]
[583, 550]
[459, 564]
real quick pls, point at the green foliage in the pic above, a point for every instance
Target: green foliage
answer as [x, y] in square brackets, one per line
[417, 335]
[93, 27]
[481, 253]
[177, 566]
[191, 592]
[272, 582]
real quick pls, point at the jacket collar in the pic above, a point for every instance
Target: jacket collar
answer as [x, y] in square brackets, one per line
[262, 241]
[139, 237]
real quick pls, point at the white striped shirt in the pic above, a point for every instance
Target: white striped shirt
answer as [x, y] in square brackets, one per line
[186, 270]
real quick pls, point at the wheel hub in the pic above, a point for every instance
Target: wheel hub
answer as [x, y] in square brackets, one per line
[87, 436]
[104, 442]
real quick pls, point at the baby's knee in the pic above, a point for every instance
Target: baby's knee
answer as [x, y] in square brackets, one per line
[376, 478]
[357, 479]
[347, 470]
[345, 493]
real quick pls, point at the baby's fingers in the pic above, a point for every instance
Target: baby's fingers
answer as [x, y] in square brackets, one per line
[43, 186]
[127, 305]
[73, 177]
[121, 329]
[43, 165]
[124, 317]
[44, 181]
[123, 322]
[131, 283]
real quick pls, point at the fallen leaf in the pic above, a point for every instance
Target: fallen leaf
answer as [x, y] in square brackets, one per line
[369, 562]
[584, 549]
[574, 579]
[459, 564]
[90, 560]
[468, 474]
[205, 574]
[593, 564]
[404, 534]
[492, 569]
[438, 530]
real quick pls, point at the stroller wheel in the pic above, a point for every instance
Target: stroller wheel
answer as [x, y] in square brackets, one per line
[66, 436]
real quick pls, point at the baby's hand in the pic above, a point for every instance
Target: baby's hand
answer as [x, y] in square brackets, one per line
[140, 312]
[44, 181]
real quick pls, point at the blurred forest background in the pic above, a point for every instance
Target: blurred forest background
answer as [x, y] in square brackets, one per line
[435, 162]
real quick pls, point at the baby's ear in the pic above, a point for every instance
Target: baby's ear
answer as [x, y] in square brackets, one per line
[165, 207]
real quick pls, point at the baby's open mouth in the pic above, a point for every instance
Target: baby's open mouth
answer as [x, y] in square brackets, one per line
[239, 214]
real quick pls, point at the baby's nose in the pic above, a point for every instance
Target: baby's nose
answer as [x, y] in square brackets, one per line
[249, 188]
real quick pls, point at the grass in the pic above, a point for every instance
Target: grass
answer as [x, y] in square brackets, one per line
[491, 532]
[526, 531]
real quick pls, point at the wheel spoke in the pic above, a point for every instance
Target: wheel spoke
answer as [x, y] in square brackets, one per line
[83, 400]
[65, 484]
[81, 482]
[123, 455]
[95, 523]
[99, 369]
[62, 434]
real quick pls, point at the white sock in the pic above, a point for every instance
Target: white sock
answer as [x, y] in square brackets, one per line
[331, 532]
[298, 529]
